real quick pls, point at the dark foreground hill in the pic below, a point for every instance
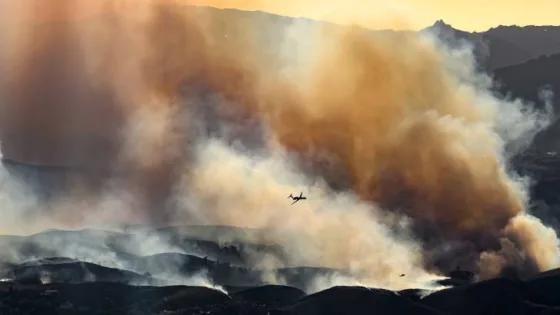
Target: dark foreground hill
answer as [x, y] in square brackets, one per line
[538, 296]
[179, 283]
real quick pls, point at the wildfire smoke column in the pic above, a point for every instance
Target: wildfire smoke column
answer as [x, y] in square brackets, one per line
[406, 125]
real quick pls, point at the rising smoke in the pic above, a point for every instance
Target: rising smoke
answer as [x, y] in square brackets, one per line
[204, 116]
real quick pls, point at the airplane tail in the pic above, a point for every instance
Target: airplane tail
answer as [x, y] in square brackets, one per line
[290, 196]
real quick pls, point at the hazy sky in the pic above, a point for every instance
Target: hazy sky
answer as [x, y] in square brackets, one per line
[471, 15]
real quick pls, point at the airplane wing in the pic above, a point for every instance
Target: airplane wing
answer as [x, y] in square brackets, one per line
[295, 201]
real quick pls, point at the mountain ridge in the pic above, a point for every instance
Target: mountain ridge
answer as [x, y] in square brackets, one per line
[503, 46]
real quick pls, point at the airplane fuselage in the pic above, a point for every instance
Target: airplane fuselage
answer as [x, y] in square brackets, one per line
[297, 198]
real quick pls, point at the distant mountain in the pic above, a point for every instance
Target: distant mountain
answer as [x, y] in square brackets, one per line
[524, 61]
[503, 46]
[527, 81]
[504, 52]
[536, 40]
[455, 38]
[497, 47]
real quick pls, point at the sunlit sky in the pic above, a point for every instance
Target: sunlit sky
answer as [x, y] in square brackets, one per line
[469, 15]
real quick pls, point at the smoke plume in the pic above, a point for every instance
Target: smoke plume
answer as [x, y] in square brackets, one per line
[205, 116]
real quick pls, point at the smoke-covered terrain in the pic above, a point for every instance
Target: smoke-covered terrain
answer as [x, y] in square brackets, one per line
[149, 150]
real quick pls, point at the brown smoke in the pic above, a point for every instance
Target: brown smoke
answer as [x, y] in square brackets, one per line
[50, 102]
[383, 116]
[409, 138]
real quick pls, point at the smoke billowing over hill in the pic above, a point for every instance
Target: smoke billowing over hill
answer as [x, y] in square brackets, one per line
[196, 115]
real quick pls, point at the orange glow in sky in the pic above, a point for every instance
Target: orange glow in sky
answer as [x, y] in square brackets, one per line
[471, 15]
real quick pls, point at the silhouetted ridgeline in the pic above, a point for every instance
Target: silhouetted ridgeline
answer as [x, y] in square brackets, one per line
[527, 80]
[536, 81]
[504, 46]
[167, 284]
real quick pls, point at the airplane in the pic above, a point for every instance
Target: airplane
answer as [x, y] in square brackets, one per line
[297, 198]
